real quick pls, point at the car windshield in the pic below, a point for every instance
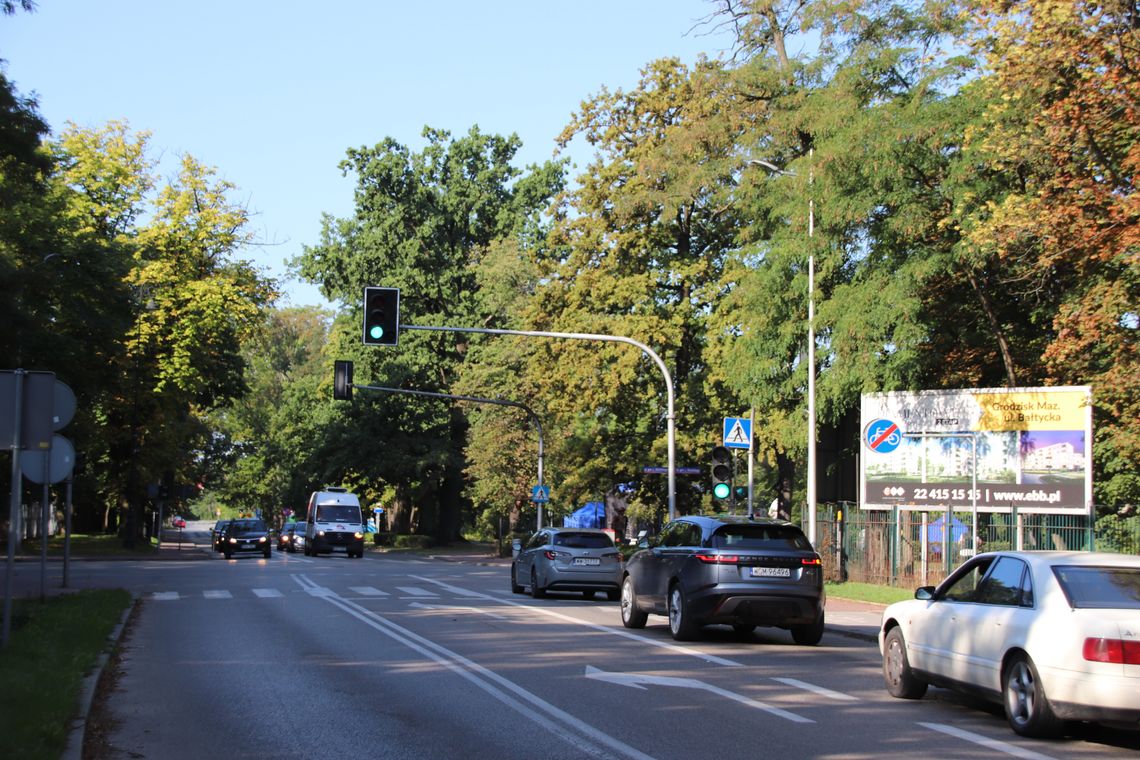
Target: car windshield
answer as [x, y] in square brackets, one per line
[583, 540]
[338, 513]
[1101, 588]
[760, 537]
[249, 525]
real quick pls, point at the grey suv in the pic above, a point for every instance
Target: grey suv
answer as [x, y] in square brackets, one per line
[734, 570]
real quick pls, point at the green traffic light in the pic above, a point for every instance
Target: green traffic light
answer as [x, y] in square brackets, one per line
[376, 332]
[721, 490]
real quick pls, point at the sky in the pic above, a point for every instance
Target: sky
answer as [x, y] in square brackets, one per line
[273, 92]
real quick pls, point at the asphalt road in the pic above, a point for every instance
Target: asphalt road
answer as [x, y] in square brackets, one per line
[400, 657]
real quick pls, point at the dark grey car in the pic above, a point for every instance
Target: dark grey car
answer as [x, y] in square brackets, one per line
[568, 559]
[734, 570]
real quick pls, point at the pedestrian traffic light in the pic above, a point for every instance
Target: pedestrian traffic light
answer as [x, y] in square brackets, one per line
[342, 380]
[381, 316]
[721, 472]
[740, 492]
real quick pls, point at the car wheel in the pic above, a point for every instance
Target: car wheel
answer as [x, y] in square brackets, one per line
[229, 555]
[810, 634]
[515, 587]
[536, 591]
[900, 679]
[681, 622]
[268, 553]
[631, 616]
[1026, 707]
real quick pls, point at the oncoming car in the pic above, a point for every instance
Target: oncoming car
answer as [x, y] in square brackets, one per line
[248, 535]
[568, 559]
[1052, 636]
[737, 571]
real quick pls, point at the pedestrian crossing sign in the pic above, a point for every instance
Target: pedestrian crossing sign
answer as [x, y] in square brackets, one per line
[737, 433]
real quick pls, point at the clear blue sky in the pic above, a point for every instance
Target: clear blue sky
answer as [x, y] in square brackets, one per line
[272, 92]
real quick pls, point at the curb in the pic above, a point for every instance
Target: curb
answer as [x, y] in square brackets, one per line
[78, 732]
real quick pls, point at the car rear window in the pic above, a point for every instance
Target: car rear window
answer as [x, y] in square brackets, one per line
[1100, 588]
[760, 537]
[583, 540]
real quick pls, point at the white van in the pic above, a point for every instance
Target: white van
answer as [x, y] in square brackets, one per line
[334, 523]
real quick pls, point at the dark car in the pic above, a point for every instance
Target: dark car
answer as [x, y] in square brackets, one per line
[216, 534]
[287, 538]
[568, 559]
[738, 571]
[249, 535]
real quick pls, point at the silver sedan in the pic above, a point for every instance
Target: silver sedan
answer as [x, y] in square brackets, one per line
[568, 559]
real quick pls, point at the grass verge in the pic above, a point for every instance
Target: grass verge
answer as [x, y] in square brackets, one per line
[52, 647]
[867, 592]
[91, 545]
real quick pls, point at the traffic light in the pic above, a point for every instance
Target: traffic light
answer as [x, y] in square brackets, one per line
[381, 316]
[342, 380]
[740, 493]
[721, 472]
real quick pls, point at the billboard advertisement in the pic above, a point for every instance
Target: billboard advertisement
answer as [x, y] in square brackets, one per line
[1025, 448]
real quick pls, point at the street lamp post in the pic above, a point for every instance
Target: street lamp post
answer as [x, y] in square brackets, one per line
[811, 492]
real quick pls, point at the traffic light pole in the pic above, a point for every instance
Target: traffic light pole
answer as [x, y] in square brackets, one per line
[497, 401]
[670, 420]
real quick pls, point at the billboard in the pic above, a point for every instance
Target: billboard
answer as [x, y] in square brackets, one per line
[1028, 448]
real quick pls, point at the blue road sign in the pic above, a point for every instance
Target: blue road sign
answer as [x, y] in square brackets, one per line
[540, 494]
[883, 436]
[737, 433]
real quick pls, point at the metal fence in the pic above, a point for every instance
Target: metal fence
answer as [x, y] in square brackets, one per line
[909, 548]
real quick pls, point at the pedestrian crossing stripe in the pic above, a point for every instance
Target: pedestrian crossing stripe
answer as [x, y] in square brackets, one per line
[367, 591]
[266, 593]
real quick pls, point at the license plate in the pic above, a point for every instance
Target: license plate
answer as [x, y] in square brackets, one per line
[586, 561]
[771, 572]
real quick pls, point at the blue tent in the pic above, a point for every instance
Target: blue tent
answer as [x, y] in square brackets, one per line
[593, 515]
[958, 529]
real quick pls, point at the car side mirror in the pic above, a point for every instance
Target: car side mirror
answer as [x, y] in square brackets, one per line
[924, 593]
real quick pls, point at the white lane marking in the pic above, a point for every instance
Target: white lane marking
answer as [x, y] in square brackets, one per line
[422, 606]
[798, 684]
[164, 596]
[367, 591]
[985, 741]
[217, 594]
[637, 680]
[562, 724]
[604, 629]
[266, 593]
[417, 592]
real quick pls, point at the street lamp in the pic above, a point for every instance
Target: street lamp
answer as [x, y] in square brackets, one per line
[810, 340]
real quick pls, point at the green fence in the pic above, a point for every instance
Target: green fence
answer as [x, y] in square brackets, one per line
[909, 548]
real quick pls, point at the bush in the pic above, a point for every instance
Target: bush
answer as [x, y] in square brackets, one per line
[412, 542]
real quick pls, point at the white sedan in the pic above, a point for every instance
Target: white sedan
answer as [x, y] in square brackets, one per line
[1053, 636]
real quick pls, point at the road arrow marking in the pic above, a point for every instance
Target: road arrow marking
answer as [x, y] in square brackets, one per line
[640, 680]
[422, 606]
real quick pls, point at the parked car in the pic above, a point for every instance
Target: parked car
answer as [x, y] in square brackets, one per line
[249, 535]
[179, 522]
[568, 559]
[288, 534]
[216, 534]
[740, 571]
[1052, 636]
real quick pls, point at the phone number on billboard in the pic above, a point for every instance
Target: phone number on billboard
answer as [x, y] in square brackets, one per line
[931, 494]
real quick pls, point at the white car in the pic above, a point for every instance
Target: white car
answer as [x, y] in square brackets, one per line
[1053, 636]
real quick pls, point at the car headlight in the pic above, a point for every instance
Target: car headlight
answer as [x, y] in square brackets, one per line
[233, 540]
[320, 532]
[263, 539]
[358, 534]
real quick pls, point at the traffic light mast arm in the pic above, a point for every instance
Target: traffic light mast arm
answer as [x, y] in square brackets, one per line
[669, 417]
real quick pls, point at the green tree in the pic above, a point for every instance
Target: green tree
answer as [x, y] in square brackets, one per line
[421, 221]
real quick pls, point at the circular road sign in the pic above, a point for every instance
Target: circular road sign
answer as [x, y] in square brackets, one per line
[883, 436]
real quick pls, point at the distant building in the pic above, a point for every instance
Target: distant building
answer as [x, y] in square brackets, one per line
[1059, 456]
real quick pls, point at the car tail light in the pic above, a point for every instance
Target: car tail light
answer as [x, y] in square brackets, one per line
[811, 561]
[1116, 651]
[549, 554]
[717, 559]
